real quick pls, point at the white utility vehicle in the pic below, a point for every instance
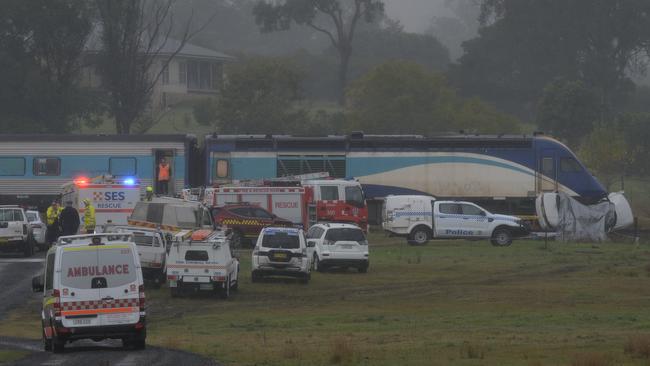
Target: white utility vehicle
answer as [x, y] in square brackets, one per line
[202, 261]
[421, 218]
[338, 245]
[152, 250]
[39, 228]
[92, 289]
[15, 232]
[281, 251]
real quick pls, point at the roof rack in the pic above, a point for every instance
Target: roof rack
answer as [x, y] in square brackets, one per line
[88, 238]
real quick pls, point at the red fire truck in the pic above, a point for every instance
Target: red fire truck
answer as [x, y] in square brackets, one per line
[303, 202]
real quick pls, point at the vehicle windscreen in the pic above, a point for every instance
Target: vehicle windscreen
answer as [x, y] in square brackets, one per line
[345, 234]
[196, 255]
[97, 268]
[11, 215]
[281, 240]
[354, 196]
[144, 240]
[31, 216]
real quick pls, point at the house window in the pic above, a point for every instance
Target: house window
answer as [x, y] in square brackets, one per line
[12, 166]
[47, 166]
[182, 72]
[165, 73]
[203, 75]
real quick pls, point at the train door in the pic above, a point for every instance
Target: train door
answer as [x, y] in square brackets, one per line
[547, 171]
[159, 186]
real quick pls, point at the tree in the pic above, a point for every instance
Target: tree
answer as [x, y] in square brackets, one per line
[636, 131]
[568, 109]
[452, 31]
[606, 152]
[134, 34]
[525, 44]
[342, 17]
[259, 97]
[404, 98]
[40, 46]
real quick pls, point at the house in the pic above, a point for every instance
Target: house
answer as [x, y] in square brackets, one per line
[194, 72]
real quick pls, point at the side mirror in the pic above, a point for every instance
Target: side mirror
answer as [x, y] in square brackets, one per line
[311, 244]
[483, 213]
[37, 283]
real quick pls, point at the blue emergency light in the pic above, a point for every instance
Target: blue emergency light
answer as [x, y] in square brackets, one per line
[129, 181]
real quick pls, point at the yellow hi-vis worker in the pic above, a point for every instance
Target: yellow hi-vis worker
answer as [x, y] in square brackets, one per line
[53, 213]
[89, 217]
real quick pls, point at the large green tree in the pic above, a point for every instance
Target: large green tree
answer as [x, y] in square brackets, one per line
[259, 97]
[337, 19]
[525, 44]
[40, 46]
[404, 98]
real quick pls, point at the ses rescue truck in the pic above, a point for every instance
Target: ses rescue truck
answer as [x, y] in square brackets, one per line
[113, 198]
[302, 201]
[421, 218]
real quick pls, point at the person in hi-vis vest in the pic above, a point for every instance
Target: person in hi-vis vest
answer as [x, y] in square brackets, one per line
[164, 174]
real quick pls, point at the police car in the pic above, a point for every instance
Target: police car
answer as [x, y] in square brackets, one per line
[281, 251]
[202, 261]
[92, 289]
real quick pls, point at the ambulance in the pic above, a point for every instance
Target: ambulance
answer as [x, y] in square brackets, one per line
[113, 198]
[92, 289]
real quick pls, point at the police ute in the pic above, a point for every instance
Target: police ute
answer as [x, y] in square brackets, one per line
[421, 218]
[92, 289]
[202, 261]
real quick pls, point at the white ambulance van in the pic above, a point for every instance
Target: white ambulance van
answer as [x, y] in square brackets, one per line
[92, 289]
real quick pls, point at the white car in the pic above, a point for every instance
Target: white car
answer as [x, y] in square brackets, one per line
[92, 289]
[202, 261]
[152, 249]
[338, 245]
[39, 228]
[281, 251]
[15, 232]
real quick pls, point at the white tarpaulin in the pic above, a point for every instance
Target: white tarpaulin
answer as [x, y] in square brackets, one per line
[578, 222]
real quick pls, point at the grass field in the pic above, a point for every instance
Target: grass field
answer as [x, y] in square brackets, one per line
[464, 303]
[8, 356]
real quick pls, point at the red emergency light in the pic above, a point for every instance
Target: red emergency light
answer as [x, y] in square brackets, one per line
[81, 181]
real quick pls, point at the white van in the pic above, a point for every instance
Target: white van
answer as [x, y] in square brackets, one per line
[92, 289]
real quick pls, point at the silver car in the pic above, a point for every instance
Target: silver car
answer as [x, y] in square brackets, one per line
[39, 228]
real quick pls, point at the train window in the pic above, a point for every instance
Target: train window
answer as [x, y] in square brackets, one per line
[47, 166]
[12, 166]
[569, 165]
[120, 167]
[329, 193]
[547, 167]
[222, 168]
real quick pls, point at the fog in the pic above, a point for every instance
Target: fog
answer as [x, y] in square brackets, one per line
[416, 15]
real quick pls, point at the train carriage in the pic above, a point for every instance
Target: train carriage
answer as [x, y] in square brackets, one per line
[33, 168]
[503, 173]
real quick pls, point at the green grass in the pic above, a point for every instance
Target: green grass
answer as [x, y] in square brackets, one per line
[8, 356]
[450, 302]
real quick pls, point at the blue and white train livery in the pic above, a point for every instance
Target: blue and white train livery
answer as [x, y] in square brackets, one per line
[33, 168]
[504, 173]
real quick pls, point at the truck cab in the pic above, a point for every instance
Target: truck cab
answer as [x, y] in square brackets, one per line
[421, 218]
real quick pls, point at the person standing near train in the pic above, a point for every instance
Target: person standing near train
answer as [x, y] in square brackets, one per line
[164, 174]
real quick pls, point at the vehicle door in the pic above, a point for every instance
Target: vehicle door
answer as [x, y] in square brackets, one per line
[416, 212]
[118, 279]
[311, 236]
[448, 220]
[11, 224]
[475, 220]
[79, 286]
[547, 171]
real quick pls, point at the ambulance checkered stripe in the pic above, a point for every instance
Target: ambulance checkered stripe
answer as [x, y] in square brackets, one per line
[412, 213]
[240, 222]
[99, 304]
[473, 217]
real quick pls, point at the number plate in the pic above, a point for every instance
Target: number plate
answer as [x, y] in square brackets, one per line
[81, 321]
[346, 246]
[280, 255]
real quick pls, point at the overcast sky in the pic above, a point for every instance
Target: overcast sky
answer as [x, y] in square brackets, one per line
[415, 14]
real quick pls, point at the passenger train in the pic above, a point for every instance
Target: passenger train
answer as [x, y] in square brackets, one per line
[503, 173]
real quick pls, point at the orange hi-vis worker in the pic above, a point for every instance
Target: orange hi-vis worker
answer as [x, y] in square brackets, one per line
[164, 172]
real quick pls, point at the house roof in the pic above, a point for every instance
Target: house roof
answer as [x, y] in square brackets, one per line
[189, 50]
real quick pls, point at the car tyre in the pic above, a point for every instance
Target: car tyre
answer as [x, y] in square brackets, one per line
[29, 249]
[224, 293]
[57, 345]
[420, 235]
[317, 264]
[255, 277]
[236, 240]
[363, 268]
[305, 279]
[139, 344]
[501, 237]
[175, 292]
